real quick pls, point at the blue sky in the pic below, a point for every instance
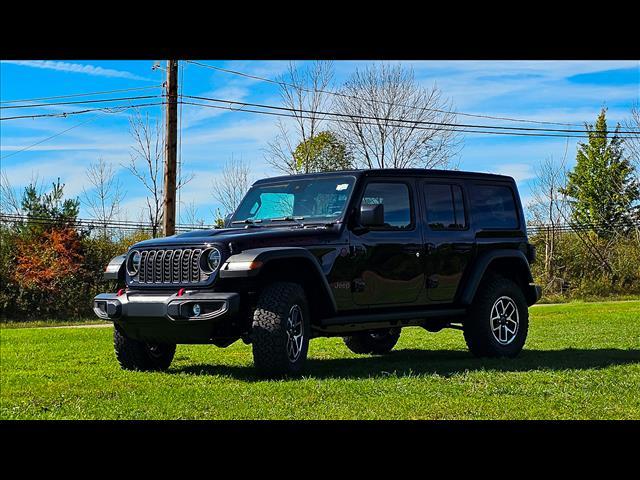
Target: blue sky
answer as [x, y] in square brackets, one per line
[559, 91]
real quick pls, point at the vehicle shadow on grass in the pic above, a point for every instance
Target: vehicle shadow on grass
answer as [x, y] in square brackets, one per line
[411, 362]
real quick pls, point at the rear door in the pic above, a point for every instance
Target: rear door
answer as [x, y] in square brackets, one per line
[448, 240]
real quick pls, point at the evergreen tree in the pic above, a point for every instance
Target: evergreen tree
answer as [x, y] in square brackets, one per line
[602, 188]
[48, 210]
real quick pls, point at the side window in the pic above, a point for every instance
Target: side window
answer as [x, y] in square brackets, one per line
[494, 207]
[396, 201]
[440, 213]
[445, 208]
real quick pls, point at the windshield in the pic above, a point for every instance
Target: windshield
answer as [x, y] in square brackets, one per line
[320, 199]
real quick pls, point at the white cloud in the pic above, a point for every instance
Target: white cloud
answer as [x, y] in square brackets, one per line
[76, 68]
[254, 129]
[519, 171]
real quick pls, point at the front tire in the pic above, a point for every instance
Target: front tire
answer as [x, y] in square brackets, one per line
[498, 319]
[137, 355]
[281, 330]
[377, 342]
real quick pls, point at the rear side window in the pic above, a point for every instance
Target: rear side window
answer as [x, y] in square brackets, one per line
[494, 207]
[445, 208]
[396, 201]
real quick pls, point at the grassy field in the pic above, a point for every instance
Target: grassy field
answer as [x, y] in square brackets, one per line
[582, 361]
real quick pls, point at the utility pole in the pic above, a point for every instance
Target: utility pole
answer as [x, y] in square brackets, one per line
[170, 149]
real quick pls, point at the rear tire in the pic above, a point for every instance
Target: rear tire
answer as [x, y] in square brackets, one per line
[498, 319]
[281, 330]
[377, 342]
[137, 355]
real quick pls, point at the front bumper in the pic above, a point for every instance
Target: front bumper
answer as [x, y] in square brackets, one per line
[169, 318]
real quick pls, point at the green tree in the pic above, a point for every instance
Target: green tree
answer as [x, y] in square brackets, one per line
[323, 152]
[602, 189]
[46, 210]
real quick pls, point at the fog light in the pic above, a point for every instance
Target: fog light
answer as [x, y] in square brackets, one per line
[196, 309]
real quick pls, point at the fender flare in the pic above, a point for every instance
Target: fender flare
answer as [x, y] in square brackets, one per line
[250, 263]
[480, 267]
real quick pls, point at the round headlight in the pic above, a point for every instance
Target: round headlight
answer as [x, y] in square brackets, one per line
[214, 259]
[133, 263]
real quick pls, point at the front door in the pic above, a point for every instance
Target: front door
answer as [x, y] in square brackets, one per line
[388, 266]
[448, 240]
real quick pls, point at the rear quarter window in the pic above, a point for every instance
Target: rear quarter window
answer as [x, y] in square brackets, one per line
[494, 207]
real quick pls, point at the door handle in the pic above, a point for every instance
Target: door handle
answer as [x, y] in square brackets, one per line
[412, 249]
[430, 247]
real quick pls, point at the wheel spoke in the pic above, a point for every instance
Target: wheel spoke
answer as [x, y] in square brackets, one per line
[509, 306]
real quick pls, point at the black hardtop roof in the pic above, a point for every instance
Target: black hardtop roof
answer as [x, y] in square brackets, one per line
[394, 172]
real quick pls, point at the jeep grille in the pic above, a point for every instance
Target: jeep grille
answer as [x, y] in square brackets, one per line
[166, 267]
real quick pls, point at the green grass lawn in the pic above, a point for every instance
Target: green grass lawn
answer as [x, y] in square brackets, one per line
[581, 361]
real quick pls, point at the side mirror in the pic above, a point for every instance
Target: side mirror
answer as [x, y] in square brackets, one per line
[372, 215]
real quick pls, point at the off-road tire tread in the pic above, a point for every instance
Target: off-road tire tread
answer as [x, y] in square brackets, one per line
[268, 329]
[132, 354]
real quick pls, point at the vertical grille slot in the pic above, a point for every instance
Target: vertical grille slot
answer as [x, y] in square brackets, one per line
[143, 266]
[195, 265]
[150, 267]
[184, 266]
[175, 269]
[158, 266]
[166, 266]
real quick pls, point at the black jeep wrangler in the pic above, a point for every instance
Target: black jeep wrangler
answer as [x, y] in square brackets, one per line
[356, 254]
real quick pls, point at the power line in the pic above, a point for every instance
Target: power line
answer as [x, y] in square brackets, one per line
[114, 109]
[82, 102]
[28, 147]
[401, 125]
[464, 128]
[80, 94]
[47, 139]
[330, 92]
[412, 122]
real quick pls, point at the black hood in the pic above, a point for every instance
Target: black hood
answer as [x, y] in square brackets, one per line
[251, 237]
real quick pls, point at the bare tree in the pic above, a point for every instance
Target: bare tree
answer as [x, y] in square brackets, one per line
[9, 202]
[303, 91]
[105, 195]
[191, 215]
[232, 184]
[392, 122]
[146, 164]
[548, 208]
[632, 141]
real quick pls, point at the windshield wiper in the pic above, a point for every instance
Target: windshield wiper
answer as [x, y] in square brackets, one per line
[287, 219]
[246, 221]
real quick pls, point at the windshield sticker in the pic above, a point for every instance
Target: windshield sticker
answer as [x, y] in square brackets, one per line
[341, 187]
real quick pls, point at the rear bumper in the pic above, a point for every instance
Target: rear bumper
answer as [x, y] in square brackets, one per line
[168, 317]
